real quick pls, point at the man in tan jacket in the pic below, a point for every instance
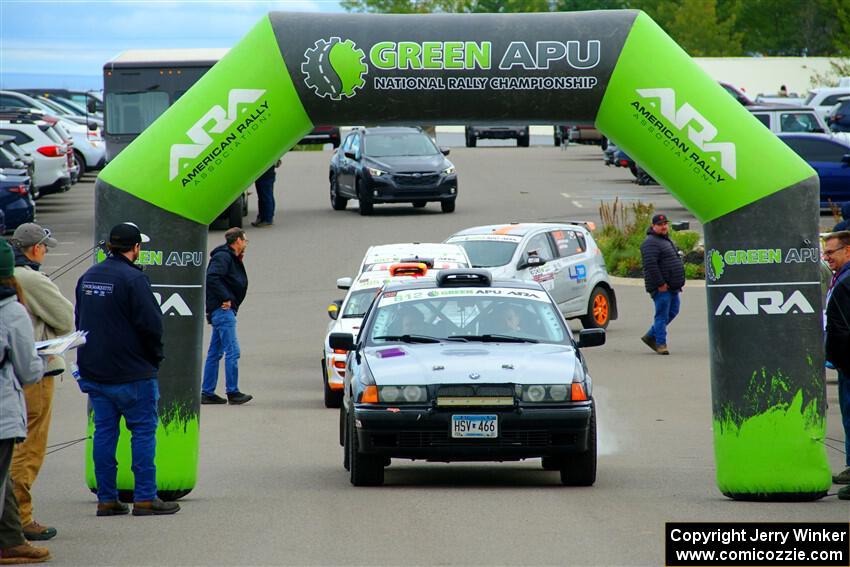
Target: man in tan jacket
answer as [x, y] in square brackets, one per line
[52, 316]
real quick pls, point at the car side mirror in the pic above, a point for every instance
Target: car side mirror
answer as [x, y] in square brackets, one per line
[343, 283]
[341, 341]
[91, 106]
[333, 309]
[531, 262]
[591, 338]
[350, 155]
[92, 126]
[445, 151]
[845, 159]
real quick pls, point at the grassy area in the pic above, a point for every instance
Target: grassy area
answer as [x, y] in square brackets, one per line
[624, 229]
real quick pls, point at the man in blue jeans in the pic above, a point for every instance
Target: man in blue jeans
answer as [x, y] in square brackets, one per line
[118, 369]
[265, 197]
[664, 278]
[227, 285]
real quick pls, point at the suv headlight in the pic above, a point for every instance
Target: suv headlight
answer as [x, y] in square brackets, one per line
[449, 170]
[375, 172]
[402, 394]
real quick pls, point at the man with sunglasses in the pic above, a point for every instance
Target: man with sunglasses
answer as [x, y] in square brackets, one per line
[836, 252]
[52, 316]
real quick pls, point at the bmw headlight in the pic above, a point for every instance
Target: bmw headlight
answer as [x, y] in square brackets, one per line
[449, 170]
[403, 394]
[375, 172]
[544, 393]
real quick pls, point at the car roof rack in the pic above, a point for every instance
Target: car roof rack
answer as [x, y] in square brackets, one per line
[464, 278]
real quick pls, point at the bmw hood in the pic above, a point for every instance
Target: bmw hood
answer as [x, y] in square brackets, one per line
[412, 164]
[469, 363]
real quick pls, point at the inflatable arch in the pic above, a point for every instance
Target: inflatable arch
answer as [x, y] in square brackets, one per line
[758, 200]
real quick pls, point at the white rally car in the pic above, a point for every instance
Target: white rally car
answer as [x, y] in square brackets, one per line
[347, 314]
[563, 257]
[438, 256]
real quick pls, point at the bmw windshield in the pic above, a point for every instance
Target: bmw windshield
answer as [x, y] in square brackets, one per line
[399, 145]
[467, 315]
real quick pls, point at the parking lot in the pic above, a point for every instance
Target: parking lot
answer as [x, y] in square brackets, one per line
[271, 488]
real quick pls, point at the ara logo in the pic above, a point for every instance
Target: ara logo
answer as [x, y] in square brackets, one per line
[700, 131]
[334, 68]
[769, 302]
[221, 121]
[174, 305]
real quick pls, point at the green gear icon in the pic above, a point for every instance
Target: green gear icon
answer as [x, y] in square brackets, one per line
[715, 266]
[334, 68]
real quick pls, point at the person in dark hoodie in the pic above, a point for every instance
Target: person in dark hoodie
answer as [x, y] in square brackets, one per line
[118, 369]
[845, 214]
[227, 285]
[664, 278]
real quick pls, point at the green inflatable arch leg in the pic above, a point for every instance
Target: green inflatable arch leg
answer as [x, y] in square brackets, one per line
[615, 67]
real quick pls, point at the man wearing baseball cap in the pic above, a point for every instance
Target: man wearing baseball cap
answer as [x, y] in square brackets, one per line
[52, 316]
[118, 369]
[664, 278]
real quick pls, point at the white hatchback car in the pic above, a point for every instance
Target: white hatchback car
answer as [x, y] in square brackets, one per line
[48, 149]
[347, 315]
[438, 256]
[563, 257]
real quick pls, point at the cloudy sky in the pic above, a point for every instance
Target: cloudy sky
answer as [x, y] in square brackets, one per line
[47, 42]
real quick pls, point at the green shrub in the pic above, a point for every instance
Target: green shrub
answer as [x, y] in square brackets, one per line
[695, 271]
[686, 240]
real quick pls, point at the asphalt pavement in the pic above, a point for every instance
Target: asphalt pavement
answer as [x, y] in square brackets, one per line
[271, 489]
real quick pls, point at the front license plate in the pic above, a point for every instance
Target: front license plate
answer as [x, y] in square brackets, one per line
[466, 426]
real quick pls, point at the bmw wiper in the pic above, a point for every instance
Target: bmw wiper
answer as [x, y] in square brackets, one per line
[408, 338]
[497, 339]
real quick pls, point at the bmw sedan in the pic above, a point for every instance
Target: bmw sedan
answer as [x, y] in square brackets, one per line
[391, 165]
[465, 368]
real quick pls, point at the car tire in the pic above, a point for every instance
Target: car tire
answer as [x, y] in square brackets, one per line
[338, 203]
[448, 206]
[419, 204]
[234, 214]
[80, 158]
[633, 168]
[523, 141]
[366, 470]
[471, 141]
[333, 398]
[598, 309]
[35, 192]
[604, 143]
[366, 205]
[551, 463]
[580, 469]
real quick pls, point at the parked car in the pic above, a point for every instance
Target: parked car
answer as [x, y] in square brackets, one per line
[322, 135]
[830, 157]
[563, 257]
[391, 165]
[67, 112]
[790, 99]
[437, 256]
[824, 98]
[737, 94]
[464, 368]
[586, 134]
[839, 116]
[788, 118]
[501, 132]
[15, 200]
[91, 100]
[39, 138]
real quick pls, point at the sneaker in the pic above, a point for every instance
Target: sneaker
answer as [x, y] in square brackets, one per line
[212, 399]
[155, 508]
[261, 224]
[844, 493]
[112, 508]
[238, 398]
[661, 349]
[842, 478]
[24, 553]
[648, 341]
[36, 532]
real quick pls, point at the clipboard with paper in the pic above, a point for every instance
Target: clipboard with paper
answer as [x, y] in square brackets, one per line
[61, 345]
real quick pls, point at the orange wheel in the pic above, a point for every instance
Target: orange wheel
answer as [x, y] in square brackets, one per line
[598, 310]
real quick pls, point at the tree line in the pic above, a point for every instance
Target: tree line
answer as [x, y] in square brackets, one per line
[704, 28]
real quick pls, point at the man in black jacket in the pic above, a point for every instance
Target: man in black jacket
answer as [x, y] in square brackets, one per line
[664, 278]
[227, 285]
[118, 369]
[836, 252]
